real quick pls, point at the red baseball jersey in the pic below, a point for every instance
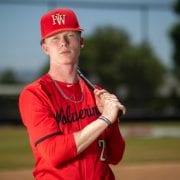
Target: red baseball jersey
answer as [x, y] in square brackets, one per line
[51, 119]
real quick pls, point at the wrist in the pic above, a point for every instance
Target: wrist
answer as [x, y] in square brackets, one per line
[105, 120]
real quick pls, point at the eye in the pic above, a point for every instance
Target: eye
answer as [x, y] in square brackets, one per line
[71, 34]
[55, 38]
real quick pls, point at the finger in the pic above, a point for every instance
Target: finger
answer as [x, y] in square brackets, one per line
[106, 96]
[110, 97]
[100, 93]
[113, 98]
[122, 108]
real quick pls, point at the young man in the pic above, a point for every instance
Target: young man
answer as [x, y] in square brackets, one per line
[73, 131]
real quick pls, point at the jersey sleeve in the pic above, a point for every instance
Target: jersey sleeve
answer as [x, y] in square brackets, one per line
[115, 143]
[44, 133]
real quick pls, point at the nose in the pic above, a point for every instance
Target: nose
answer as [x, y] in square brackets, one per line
[64, 41]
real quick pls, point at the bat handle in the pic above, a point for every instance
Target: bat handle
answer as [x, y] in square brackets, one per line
[89, 83]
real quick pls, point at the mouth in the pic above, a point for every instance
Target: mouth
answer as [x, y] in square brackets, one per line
[65, 52]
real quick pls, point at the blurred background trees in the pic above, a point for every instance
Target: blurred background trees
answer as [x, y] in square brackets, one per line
[8, 77]
[175, 38]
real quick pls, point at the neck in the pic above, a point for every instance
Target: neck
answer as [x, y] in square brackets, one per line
[65, 73]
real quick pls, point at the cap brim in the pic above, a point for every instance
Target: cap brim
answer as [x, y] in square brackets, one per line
[60, 30]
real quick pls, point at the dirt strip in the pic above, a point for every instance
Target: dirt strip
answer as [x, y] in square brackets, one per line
[122, 172]
[148, 172]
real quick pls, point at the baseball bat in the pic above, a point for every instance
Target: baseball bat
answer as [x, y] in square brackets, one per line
[90, 84]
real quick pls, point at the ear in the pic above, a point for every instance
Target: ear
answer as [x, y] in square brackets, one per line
[82, 42]
[45, 48]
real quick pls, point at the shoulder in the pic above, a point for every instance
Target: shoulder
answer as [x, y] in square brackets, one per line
[38, 86]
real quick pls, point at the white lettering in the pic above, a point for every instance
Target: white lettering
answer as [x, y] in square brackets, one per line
[59, 19]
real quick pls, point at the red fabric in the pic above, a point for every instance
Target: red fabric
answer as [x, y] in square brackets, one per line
[51, 120]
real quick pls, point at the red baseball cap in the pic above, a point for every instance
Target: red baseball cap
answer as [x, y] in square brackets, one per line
[57, 20]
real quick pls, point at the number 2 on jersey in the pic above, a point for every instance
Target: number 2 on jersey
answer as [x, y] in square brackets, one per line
[102, 145]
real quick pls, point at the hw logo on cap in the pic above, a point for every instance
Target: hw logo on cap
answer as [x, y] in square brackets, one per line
[59, 19]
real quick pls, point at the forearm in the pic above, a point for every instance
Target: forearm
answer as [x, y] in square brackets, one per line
[87, 135]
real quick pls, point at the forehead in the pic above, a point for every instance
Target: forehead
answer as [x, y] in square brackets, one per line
[62, 33]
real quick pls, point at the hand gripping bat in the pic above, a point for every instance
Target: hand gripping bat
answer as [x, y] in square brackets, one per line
[91, 85]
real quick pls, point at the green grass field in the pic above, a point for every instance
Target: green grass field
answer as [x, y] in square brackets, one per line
[150, 149]
[146, 150]
[15, 152]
